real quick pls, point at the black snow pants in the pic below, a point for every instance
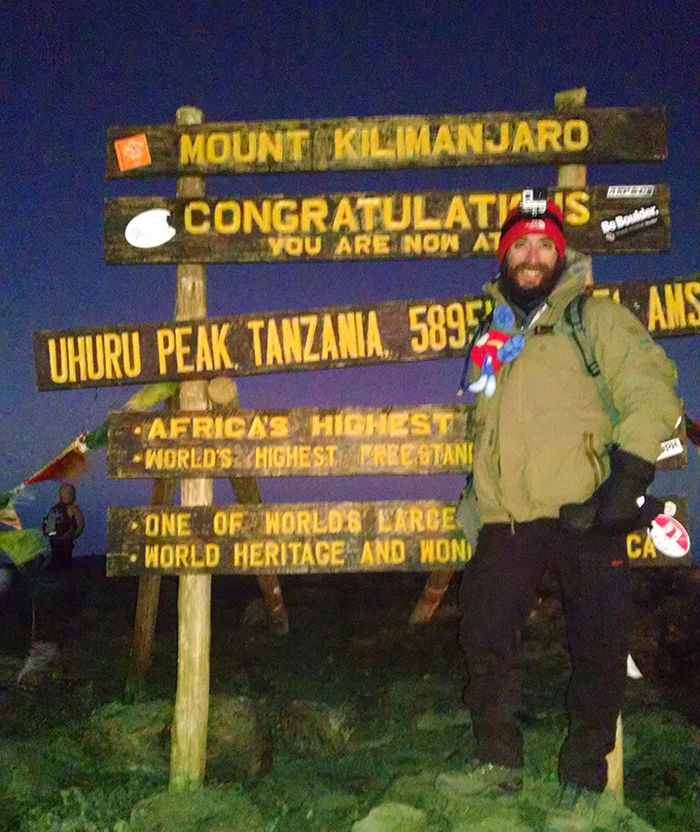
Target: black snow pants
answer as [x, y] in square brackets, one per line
[498, 591]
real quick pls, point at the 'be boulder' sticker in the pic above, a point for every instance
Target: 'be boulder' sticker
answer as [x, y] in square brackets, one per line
[627, 223]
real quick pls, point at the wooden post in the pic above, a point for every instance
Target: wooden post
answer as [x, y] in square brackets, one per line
[616, 774]
[224, 391]
[163, 493]
[571, 176]
[189, 732]
[146, 607]
[430, 599]
[574, 176]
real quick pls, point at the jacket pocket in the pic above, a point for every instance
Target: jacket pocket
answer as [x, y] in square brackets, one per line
[467, 512]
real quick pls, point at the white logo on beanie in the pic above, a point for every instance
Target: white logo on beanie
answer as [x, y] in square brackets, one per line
[535, 225]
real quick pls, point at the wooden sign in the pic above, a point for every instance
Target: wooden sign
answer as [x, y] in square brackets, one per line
[314, 339]
[304, 441]
[288, 538]
[612, 134]
[370, 226]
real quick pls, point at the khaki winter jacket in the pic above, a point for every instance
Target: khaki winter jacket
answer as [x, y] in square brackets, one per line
[541, 440]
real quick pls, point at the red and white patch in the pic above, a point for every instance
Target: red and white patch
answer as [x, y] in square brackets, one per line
[669, 536]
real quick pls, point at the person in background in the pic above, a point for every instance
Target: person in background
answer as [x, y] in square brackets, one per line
[63, 524]
[558, 478]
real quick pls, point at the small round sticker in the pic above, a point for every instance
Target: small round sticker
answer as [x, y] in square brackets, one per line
[149, 229]
[669, 536]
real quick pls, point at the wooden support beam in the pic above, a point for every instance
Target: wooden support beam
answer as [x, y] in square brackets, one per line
[146, 608]
[574, 176]
[223, 391]
[189, 732]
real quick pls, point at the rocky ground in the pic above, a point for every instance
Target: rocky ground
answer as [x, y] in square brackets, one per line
[350, 721]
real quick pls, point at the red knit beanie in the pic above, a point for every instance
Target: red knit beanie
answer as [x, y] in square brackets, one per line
[520, 222]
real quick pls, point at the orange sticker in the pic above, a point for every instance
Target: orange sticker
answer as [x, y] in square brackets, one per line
[132, 152]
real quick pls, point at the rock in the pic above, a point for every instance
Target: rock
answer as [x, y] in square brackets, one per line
[314, 727]
[393, 817]
[222, 809]
[41, 665]
[419, 791]
[256, 616]
[430, 721]
[130, 737]
[238, 741]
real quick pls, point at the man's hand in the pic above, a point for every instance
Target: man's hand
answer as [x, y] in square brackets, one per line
[615, 505]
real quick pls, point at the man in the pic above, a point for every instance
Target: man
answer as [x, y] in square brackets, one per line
[62, 525]
[557, 477]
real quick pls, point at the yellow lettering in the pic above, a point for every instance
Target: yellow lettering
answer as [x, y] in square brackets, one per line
[193, 225]
[218, 147]
[675, 305]
[343, 143]
[274, 347]
[284, 216]
[575, 134]
[576, 211]
[191, 150]
[344, 246]
[691, 290]
[254, 327]
[344, 216]
[444, 550]
[457, 214]
[657, 319]
[420, 221]
[523, 140]
[443, 141]
[297, 137]
[270, 146]
[182, 350]
[470, 137]
[392, 224]
[417, 142]
[548, 134]
[501, 145]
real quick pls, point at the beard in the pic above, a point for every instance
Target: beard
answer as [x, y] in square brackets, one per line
[527, 297]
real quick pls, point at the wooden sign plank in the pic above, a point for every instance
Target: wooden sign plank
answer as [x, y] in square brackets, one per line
[369, 226]
[293, 538]
[304, 441]
[313, 339]
[582, 135]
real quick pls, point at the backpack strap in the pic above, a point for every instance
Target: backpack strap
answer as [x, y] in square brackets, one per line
[573, 315]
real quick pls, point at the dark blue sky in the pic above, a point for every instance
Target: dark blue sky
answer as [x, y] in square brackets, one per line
[68, 72]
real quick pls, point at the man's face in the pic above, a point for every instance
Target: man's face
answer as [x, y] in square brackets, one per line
[531, 261]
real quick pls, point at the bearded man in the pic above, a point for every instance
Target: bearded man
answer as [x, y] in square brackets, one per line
[557, 479]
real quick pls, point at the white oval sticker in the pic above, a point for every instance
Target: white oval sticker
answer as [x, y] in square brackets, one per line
[149, 229]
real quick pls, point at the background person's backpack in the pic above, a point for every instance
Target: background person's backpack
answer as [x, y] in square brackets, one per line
[57, 521]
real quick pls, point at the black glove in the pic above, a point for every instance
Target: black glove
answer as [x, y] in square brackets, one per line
[613, 505]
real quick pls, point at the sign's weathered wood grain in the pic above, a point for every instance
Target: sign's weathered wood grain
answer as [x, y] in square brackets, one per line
[369, 226]
[314, 339]
[304, 441]
[583, 135]
[286, 538]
